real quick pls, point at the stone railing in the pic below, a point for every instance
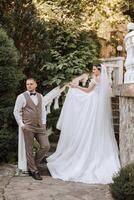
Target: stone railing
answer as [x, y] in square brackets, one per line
[115, 69]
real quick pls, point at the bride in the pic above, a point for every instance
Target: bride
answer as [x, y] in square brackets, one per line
[87, 151]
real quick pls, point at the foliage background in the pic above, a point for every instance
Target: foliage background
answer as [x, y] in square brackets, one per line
[55, 40]
[10, 75]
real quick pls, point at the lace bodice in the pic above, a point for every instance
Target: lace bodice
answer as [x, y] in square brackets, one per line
[96, 82]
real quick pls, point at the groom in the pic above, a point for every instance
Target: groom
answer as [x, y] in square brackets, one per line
[30, 115]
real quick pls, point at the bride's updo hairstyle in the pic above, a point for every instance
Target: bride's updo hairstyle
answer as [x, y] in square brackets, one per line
[98, 66]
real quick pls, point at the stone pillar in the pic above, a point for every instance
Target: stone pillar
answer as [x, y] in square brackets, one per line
[129, 63]
[126, 137]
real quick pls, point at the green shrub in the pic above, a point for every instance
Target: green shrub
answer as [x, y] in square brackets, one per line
[123, 186]
[8, 146]
[10, 75]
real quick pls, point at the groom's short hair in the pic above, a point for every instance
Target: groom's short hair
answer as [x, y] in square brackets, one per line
[31, 78]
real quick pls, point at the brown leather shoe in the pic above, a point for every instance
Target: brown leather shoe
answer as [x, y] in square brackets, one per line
[35, 175]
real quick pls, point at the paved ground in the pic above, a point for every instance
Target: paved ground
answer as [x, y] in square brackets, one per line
[25, 188]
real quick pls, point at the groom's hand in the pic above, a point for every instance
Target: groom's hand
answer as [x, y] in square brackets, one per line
[44, 126]
[22, 125]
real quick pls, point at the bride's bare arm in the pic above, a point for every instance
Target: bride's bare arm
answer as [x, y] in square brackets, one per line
[84, 89]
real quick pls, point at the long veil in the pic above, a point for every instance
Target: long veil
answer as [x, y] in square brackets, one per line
[104, 122]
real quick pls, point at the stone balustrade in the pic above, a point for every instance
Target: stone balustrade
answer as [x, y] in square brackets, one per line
[115, 69]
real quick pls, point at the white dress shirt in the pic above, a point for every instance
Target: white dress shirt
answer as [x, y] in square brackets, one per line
[21, 103]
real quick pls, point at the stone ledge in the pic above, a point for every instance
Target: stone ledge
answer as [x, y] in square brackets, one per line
[124, 90]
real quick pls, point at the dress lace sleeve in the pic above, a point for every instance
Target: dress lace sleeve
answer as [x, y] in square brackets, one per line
[93, 81]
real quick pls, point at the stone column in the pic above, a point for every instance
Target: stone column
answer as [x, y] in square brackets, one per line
[129, 63]
[126, 137]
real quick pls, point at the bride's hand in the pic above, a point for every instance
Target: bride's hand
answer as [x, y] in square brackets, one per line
[73, 85]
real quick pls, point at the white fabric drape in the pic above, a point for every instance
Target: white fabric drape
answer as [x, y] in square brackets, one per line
[22, 161]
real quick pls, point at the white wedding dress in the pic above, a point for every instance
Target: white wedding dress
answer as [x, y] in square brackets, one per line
[87, 151]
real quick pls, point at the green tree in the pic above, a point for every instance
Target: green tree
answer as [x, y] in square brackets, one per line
[127, 7]
[29, 35]
[49, 45]
[10, 75]
[71, 53]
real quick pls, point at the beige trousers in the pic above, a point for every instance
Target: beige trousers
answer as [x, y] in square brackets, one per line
[32, 162]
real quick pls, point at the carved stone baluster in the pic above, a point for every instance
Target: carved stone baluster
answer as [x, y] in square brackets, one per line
[110, 72]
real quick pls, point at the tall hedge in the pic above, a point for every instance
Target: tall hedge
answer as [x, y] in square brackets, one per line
[10, 75]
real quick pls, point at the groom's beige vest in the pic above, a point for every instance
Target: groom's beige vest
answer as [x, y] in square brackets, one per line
[32, 114]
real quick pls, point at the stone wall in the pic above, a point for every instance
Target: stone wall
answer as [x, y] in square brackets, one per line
[127, 129]
[125, 94]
